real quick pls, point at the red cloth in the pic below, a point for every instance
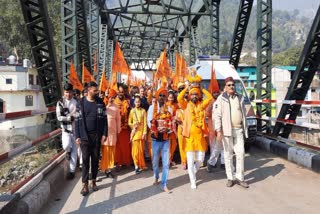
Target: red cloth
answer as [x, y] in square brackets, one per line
[123, 149]
[112, 93]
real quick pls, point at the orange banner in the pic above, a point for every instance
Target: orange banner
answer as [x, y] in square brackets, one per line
[119, 63]
[74, 79]
[86, 76]
[213, 86]
[103, 82]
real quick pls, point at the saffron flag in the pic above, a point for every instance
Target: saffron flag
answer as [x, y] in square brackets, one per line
[103, 82]
[74, 79]
[162, 65]
[86, 76]
[184, 68]
[114, 81]
[119, 63]
[213, 86]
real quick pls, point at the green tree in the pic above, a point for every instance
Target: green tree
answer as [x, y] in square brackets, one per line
[13, 32]
[224, 51]
[288, 57]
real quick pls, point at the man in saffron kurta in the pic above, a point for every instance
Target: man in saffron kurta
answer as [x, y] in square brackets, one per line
[123, 148]
[138, 124]
[114, 128]
[195, 129]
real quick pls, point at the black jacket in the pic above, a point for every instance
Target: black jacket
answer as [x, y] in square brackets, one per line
[80, 126]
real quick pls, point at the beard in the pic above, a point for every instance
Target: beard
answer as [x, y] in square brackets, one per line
[195, 99]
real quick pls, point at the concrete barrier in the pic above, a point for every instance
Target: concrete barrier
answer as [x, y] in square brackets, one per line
[302, 157]
[34, 200]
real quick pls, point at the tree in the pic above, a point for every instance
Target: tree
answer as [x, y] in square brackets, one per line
[224, 51]
[288, 57]
[13, 32]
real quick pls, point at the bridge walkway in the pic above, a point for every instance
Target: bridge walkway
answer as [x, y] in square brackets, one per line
[276, 186]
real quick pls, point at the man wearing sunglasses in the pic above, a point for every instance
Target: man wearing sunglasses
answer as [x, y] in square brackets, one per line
[231, 126]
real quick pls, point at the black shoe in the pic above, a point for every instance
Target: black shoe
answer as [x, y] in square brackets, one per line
[70, 175]
[230, 183]
[68, 156]
[222, 166]
[85, 189]
[109, 174]
[243, 184]
[210, 167]
[138, 171]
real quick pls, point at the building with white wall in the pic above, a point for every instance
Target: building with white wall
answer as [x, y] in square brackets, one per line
[20, 91]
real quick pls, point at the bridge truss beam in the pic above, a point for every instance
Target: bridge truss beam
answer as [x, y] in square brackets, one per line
[36, 17]
[240, 31]
[264, 63]
[309, 63]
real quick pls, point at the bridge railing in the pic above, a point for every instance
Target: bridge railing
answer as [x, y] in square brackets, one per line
[9, 160]
[303, 126]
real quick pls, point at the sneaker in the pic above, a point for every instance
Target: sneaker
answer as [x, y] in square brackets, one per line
[243, 184]
[222, 166]
[85, 189]
[230, 183]
[138, 171]
[70, 175]
[94, 186]
[68, 156]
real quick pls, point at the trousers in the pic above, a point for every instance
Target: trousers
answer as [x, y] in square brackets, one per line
[235, 144]
[216, 148]
[194, 160]
[162, 147]
[90, 150]
[69, 145]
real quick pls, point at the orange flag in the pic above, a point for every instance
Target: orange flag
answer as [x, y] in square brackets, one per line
[74, 79]
[86, 76]
[103, 82]
[162, 65]
[184, 68]
[119, 63]
[213, 86]
[95, 69]
[114, 81]
[178, 64]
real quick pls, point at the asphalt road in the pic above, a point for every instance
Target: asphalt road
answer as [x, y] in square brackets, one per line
[276, 186]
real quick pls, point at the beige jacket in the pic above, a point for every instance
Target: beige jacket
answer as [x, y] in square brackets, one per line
[222, 115]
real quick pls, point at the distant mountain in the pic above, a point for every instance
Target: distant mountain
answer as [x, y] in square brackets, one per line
[289, 27]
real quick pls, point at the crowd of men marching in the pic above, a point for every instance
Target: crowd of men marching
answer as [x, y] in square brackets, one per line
[119, 128]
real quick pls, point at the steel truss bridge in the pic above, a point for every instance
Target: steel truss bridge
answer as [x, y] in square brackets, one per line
[144, 28]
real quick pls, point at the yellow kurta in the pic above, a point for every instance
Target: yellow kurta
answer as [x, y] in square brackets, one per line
[138, 116]
[195, 121]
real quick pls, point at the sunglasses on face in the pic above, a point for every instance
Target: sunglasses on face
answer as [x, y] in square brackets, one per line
[229, 85]
[162, 95]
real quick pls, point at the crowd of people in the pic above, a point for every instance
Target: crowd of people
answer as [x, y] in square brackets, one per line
[117, 129]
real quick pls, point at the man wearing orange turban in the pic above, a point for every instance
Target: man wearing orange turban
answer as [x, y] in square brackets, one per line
[159, 116]
[194, 128]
